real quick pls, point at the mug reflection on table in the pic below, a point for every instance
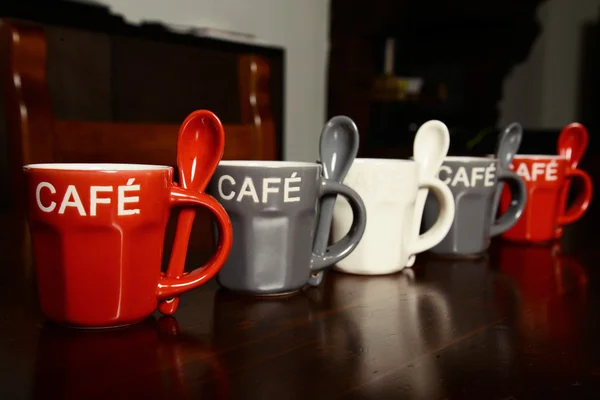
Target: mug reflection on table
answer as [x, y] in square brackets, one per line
[399, 320]
[69, 361]
[267, 321]
[546, 177]
[273, 210]
[460, 276]
[552, 288]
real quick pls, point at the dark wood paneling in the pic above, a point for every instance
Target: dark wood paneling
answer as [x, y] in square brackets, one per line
[61, 17]
[161, 82]
[79, 74]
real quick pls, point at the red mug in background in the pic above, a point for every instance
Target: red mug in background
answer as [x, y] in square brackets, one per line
[97, 234]
[545, 177]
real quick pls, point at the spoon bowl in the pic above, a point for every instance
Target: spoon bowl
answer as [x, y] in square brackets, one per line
[338, 147]
[572, 143]
[197, 160]
[508, 144]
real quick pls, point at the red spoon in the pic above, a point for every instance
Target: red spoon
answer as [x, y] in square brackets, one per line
[200, 146]
[572, 142]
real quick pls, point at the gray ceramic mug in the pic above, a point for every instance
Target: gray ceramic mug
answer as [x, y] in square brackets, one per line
[273, 207]
[473, 182]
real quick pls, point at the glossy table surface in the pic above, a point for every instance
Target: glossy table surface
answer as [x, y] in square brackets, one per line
[523, 322]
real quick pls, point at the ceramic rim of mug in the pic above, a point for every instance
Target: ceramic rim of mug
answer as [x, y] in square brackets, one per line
[539, 157]
[267, 164]
[467, 159]
[96, 167]
[382, 161]
[534, 156]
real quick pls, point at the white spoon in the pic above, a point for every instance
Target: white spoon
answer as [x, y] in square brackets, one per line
[430, 147]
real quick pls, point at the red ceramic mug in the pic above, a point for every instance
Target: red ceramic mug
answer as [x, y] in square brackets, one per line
[97, 234]
[545, 177]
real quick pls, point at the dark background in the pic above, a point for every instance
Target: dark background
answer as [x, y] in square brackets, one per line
[118, 71]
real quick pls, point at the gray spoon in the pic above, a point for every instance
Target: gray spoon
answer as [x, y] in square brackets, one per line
[337, 149]
[506, 148]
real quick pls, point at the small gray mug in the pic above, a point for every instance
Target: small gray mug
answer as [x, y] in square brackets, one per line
[473, 182]
[273, 207]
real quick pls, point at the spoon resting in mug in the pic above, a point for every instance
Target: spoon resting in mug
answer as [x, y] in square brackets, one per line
[572, 143]
[430, 146]
[507, 146]
[200, 147]
[337, 150]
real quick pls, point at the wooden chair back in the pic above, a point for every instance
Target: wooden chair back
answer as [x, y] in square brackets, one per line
[34, 135]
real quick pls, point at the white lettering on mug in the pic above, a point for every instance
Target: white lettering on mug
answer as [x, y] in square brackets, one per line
[132, 199]
[231, 194]
[490, 175]
[71, 198]
[38, 198]
[270, 187]
[248, 189]
[95, 200]
[287, 189]
[478, 174]
[67, 202]
[551, 171]
[548, 171]
[266, 189]
[461, 176]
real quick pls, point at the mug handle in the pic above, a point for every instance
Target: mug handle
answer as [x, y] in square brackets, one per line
[169, 287]
[518, 201]
[348, 243]
[438, 231]
[582, 202]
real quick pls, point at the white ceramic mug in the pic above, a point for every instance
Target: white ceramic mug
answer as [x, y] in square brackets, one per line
[389, 190]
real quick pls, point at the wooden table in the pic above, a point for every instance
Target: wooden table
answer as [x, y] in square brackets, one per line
[522, 323]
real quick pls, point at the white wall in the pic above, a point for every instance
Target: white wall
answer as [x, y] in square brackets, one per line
[543, 91]
[300, 26]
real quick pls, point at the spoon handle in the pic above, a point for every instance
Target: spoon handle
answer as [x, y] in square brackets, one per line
[322, 234]
[324, 224]
[185, 222]
[418, 216]
[496, 201]
[507, 147]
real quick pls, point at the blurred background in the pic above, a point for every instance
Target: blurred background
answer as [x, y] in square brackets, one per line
[390, 65]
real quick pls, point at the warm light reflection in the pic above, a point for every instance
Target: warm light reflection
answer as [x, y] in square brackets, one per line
[410, 321]
[71, 363]
[272, 333]
[552, 291]
[469, 284]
